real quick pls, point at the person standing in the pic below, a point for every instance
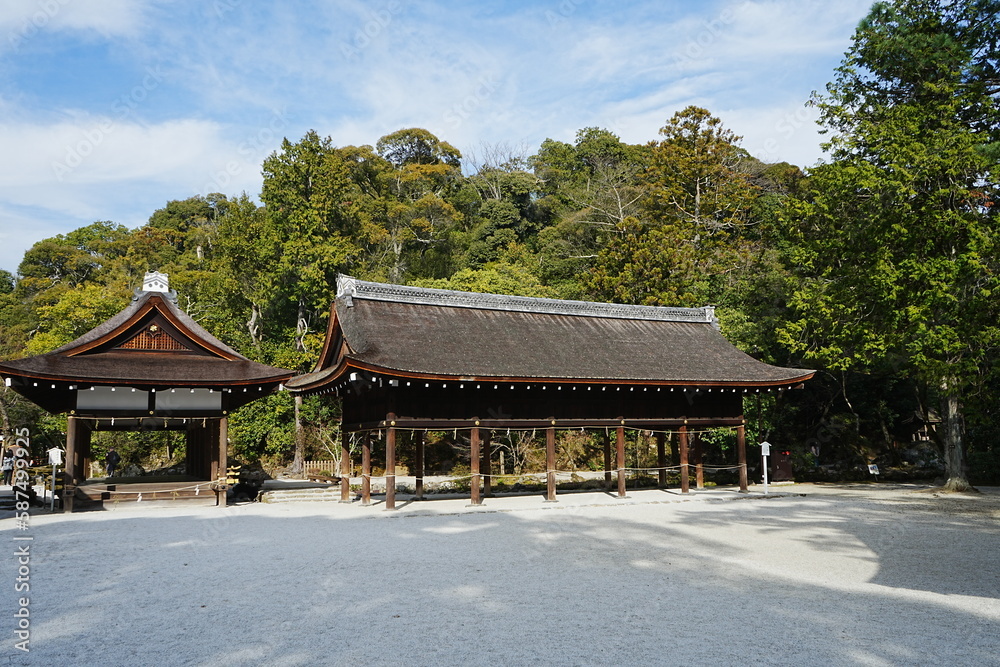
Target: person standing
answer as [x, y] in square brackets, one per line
[111, 461]
[8, 466]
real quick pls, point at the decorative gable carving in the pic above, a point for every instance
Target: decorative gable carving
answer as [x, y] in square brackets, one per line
[153, 339]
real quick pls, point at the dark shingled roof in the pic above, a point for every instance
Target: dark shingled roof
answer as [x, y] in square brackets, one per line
[418, 332]
[196, 358]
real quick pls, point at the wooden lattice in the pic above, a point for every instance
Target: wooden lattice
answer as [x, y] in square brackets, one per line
[150, 339]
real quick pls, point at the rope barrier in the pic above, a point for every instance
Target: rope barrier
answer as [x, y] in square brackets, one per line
[637, 429]
[196, 487]
[564, 472]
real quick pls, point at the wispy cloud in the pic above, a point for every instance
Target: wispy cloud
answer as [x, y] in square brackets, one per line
[233, 77]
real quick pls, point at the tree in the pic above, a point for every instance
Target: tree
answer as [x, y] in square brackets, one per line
[309, 196]
[898, 241]
[689, 231]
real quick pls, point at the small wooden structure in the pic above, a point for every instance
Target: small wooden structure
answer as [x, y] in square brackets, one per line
[150, 367]
[407, 358]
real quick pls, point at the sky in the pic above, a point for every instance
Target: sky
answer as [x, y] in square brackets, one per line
[111, 108]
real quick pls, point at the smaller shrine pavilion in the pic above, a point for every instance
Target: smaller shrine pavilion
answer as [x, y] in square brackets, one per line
[150, 367]
[409, 358]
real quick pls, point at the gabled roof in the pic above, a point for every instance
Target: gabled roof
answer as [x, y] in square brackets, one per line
[430, 333]
[151, 343]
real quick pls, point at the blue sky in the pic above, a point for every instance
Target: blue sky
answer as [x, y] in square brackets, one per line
[111, 108]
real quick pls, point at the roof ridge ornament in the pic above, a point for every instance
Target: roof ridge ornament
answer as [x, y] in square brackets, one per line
[350, 288]
[154, 281]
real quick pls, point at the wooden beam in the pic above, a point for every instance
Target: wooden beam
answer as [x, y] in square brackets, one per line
[741, 453]
[699, 468]
[69, 489]
[682, 446]
[475, 455]
[529, 424]
[487, 466]
[366, 469]
[223, 456]
[419, 463]
[390, 462]
[620, 455]
[607, 461]
[550, 464]
[661, 460]
[345, 470]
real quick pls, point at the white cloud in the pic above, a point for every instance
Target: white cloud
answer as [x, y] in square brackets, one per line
[94, 168]
[24, 20]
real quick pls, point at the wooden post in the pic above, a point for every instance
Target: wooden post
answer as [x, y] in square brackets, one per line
[223, 456]
[419, 463]
[487, 463]
[474, 458]
[366, 469]
[699, 471]
[550, 464]
[620, 442]
[682, 446]
[661, 460]
[741, 453]
[69, 489]
[607, 462]
[345, 469]
[390, 462]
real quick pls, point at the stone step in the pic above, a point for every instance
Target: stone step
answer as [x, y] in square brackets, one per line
[301, 495]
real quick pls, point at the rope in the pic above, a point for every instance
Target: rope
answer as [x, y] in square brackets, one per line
[564, 472]
[196, 487]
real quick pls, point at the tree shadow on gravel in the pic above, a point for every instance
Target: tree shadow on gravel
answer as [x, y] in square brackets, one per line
[802, 581]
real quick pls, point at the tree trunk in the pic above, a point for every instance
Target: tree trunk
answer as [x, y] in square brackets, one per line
[954, 450]
[253, 325]
[5, 430]
[301, 327]
[300, 439]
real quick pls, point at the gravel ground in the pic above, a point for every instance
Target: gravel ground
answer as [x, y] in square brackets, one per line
[810, 575]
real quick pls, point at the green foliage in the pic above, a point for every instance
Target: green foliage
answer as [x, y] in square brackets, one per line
[896, 240]
[879, 268]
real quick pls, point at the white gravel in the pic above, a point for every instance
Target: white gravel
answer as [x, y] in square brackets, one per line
[812, 575]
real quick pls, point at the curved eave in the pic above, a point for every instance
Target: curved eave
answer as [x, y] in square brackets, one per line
[12, 372]
[324, 380]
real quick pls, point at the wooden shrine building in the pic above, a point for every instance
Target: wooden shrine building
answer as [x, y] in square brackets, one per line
[150, 367]
[408, 358]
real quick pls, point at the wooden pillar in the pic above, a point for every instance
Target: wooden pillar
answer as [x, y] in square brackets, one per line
[390, 462]
[699, 469]
[84, 435]
[487, 466]
[345, 469]
[85, 454]
[661, 460]
[419, 463]
[741, 453]
[69, 489]
[620, 451]
[366, 470]
[607, 462]
[223, 456]
[475, 456]
[550, 464]
[682, 447]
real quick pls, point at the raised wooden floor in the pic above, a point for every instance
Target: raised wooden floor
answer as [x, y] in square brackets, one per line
[95, 494]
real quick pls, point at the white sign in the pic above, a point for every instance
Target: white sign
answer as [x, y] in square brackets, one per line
[873, 469]
[55, 456]
[765, 448]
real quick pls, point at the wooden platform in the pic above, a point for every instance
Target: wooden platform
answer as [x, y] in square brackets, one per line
[98, 494]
